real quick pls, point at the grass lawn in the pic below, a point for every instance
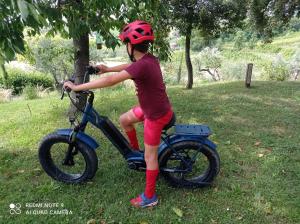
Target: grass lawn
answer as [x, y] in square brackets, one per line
[257, 132]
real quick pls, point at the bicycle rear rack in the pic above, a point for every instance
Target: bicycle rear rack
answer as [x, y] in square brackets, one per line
[190, 129]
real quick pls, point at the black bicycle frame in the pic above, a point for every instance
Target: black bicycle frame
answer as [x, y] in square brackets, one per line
[105, 125]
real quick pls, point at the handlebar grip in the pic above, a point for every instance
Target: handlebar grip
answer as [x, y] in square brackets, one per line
[92, 70]
[67, 89]
[72, 79]
[97, 69]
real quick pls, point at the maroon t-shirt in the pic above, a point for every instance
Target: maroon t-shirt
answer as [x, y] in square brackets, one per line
[151, 90]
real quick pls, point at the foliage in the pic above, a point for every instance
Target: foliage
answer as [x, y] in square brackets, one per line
[210, 60]
[295, 64]
[278, 70]
[72, 19]
[19, 79]
[252, 41]
[14, 17]
[294, 24]
[233, 70]
[97, 55]
[269, 15]
[239, 40]
[198, 42]
[51, 55]
[5, 95]
[30, 92]
[169, 71]
[209, 17]
[44, 52]
[81, 17]
[210, 57]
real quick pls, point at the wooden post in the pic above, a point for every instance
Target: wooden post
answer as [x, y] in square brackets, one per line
[249, 75]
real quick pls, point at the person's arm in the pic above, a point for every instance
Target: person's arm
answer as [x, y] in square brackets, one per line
[118, 68]
[101, 82]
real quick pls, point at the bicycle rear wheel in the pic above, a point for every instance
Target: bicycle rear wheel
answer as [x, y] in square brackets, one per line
[189, 164]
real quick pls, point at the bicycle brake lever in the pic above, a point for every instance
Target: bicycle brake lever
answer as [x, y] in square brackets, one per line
[62, 94]
[67, 89]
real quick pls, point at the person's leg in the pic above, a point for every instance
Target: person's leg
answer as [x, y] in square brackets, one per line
[152, 171]
[152, 133]
[127, 121]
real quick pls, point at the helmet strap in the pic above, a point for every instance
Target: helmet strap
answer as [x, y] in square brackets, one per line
[131, 56]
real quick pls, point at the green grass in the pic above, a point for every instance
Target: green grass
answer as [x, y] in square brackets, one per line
[286, 45]
[257, 132]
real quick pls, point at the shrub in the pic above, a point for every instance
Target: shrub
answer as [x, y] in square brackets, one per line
[277, 70]
[295, 64]
[172, 70]
[5, 95]
[210, 57]
[30, 92]
[19, 79]
[51, 55]
[252, 41]
[294, 24]
[239, 40]
[233, 70]
[210, 60]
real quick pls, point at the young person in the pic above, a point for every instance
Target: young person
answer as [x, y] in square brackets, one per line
[154, 107]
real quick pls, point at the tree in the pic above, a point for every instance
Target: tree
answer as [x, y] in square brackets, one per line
[76, 19]
[266, 15]
[210, 17]
[15, 15]
[211, 60]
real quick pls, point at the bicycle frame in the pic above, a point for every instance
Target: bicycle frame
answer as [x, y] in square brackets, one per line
[134, 159]
[105, 125]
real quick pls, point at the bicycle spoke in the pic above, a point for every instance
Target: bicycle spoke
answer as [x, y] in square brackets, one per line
[58, 154]
[187, 164]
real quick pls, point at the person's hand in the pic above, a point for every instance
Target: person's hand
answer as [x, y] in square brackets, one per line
[103, 69]
[69, 85]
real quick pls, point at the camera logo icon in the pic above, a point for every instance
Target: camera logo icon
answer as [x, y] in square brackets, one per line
[15, 209]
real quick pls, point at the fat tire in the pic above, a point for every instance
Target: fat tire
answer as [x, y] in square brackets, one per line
[51, 169]
[211, 155]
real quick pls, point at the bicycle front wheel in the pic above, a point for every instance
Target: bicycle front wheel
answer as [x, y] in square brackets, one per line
[69, 164]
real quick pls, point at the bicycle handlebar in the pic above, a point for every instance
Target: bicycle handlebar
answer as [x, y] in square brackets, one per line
[90, 70]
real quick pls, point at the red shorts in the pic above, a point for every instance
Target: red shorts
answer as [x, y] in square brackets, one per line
[152, 128]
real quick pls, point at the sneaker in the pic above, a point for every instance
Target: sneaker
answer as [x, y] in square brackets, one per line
[143, 202]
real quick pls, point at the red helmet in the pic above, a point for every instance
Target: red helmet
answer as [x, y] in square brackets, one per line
[137, 32]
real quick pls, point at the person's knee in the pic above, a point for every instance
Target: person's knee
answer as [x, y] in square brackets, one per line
[150, 157]
[126, 122]
[123, 120]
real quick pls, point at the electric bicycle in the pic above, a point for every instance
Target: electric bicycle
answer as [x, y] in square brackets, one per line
[187, 157]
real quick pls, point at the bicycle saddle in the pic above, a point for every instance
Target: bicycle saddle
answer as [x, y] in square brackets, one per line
[171, 122]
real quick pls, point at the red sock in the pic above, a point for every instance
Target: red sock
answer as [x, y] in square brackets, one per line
[134, 143]
[151, 176]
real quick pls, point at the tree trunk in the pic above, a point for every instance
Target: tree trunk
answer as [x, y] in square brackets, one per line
[179, 69]
[188, 57]
[209, 72]
[81, 60]
[5, 75]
